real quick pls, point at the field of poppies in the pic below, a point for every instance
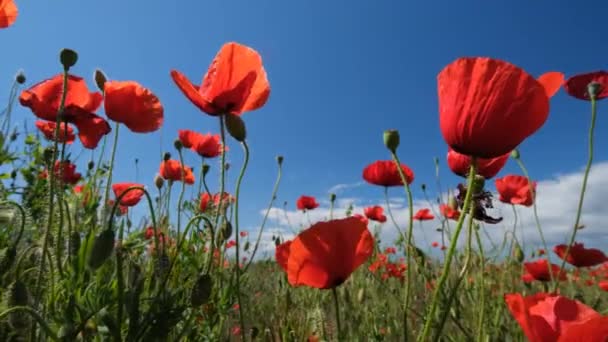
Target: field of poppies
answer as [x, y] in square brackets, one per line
[74, 265]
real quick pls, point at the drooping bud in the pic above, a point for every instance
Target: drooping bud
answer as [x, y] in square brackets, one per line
[100, 79]
[391, 139]
[594, 88]
[178, 144]
[47, 154]
[20, 77]
[236, 127]
[13, 174]
[68, 58]
[103, 245]
[159, 181]
[226, 230]
[201, 291]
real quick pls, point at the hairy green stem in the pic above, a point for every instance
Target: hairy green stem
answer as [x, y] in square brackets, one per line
[237, 269]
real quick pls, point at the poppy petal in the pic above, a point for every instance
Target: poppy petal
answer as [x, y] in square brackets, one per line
[552, 81]
[192, 92]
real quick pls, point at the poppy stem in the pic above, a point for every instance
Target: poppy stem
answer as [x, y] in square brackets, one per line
[237, 236]
[110, 168]
[334, 291]
[481, 286]
[272, 198]
[181, 193]
[423, 337]
[409, 246]
[390, 213]
[536, 219]
[579, 210]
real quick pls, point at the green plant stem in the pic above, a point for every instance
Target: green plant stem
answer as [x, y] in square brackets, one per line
[37, 317]
[237, 269]
[579, 209]
[181, 193]
[480, 326]
[409, 247]
[222, 181]
[110, 168]
[390, 213]
[334, 292]
[448, 259]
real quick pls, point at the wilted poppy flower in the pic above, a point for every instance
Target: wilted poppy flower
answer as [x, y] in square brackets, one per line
[131, 104]
[172, 170]
[385, 173]
[515, 189]
[547, 318]
[580, 256]
[48, 130]
[487, 107]
[132, 197]
[375, 213]
[577, 86]
[324, 255]
[8, 13]
[539, 270]
[424, 215]
[488, 168]
[306, 203]
[449, 212]
[44, 100]
[235, 82]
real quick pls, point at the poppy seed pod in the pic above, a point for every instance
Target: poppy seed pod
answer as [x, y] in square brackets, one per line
[166, 156]
[178, 144]
[100, 79]
[236, 127]
[332, 197]
[515, 154]
[280, 160]
[103, 245]
[206, 168]
[68, 58]
[478, 184]
[159, 181]
[91, 165]
[201, 291]
[594, 89]
[391, 139]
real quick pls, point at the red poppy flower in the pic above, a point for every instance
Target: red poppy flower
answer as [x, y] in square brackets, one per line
[375, 213]
[206, 199]
[590, 330]
[435, 244]
[149, 233]
[603, 284]
[122, 210]
[243, 234]
[187, 137]
[515, 189]
[385, 173]
[449, 212]
[44, 99]
[577, 85]
[306, 203]
[282, 254]
[131, 104]
[235, 82]
[8, 13]
[546, 318]
[132, 197]
[487, 107]
[424, 215]
[539, 270]
[580, 256]
[172, 170]
[65, 170]
[488, 168]
[48, 130]
[324, 255]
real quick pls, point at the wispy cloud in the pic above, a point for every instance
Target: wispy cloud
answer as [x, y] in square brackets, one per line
[339, 188]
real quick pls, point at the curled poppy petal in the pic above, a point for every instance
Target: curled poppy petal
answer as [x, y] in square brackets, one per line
[131, 104]
[375, 213]
[487, 107]
[91, 127]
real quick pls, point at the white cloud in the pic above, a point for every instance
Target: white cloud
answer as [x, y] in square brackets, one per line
[557, 200]
[338, 188]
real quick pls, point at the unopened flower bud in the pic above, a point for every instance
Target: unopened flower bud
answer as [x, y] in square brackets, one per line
[68, 58]
[166, 156]
[48, 154]
[236, 127]
[178, 144]
[201, 291]
[91, 165]
[518, 253]
[280, 160]
[206, 168]
[423, 186]
[332, 197]
[100, 79]
[159, 181]
[103, 245]
[20, 77]
[515, 154]
[391, 139]
[13, 174]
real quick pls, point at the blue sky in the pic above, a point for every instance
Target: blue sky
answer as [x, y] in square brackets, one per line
[341, 73]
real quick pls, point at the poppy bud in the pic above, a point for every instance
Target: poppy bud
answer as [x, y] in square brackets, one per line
[478, 183]
[206, 168]
[166, 156]
[332, 197]
[594, 88]
[515, 154]
[246, 246]
[68, 58]
[14, 135]
[91, 165]
[236, 127]
[20, 77]
[13, 174]
[18, 295]
[201, 291]
[159, 181]
[391, 139]
[178, 144]
[518, 253]
[100, 79]
[226, 230]
[7, 259]
[103, 245]
[48, 154]
[423, 186]
[280, 160]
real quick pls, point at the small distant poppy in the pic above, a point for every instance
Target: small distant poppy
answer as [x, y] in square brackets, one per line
[577, 86]
[324, 255]
[131, 104]
[515, 189]
[424, 215]
[539, 270]
[487, 107]
[385, 173]
[449, 212]
[235, 82]
[375, 213]
[132, 197]
[172, 170]
[580, 256]
[205, 145]
[306, 203]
